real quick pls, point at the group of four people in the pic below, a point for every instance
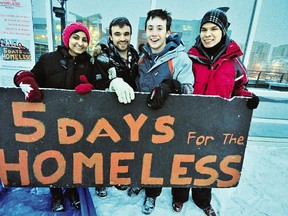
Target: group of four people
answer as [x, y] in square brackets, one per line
[161, 67]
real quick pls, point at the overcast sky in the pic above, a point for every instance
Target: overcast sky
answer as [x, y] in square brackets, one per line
[272, 27]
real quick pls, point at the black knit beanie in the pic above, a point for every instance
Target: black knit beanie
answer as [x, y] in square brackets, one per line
[218, 17]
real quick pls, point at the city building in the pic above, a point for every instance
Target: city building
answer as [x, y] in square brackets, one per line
[280, 52]
[259, 56]
[93, 22]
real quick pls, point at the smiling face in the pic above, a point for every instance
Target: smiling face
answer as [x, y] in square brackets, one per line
[78, 43]
[121, 38]
[210, 34]
[156, 33]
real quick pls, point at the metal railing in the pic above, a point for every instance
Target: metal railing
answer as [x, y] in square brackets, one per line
[267, 78]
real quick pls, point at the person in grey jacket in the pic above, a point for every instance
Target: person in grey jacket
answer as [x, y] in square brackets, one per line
[164, 68]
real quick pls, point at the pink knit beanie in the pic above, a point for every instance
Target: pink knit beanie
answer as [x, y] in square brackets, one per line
[71, 28]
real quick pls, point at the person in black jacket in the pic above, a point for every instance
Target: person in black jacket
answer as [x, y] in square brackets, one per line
[69, 67]
[116, 61]
[115, 65]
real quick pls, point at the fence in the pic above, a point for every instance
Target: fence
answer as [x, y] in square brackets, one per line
[268, 79]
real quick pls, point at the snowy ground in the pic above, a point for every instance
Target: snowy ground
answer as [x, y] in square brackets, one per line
[262, 189]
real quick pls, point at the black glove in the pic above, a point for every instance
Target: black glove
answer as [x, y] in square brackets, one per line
[159, 93]
[252, 103]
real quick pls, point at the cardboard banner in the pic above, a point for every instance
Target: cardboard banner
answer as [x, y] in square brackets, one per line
[69, 139]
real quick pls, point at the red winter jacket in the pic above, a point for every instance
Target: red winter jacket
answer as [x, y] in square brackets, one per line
[224, 76]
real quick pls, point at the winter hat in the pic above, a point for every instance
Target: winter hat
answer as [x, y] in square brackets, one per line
[71, 28]
[218, 17]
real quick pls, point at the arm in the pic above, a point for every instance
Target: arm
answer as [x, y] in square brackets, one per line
[241, 81]
[183, 73]
[181, 82]
[106, 77]
[101, 68]
[39, 71]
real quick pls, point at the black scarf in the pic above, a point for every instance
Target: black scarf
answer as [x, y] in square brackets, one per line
[214, 51]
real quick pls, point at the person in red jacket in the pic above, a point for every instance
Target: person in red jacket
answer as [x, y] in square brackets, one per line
[217, 71]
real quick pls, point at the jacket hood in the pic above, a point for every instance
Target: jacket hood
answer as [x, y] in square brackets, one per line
[102, 46]
[104, 42]
[198, 44]
[173, 43]
[106, 45]
[230, 49]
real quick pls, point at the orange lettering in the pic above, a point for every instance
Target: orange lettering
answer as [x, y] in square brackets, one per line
[37, 167]
[103, 124]
[228, 170]
[160, 126]
[177, 170]
[63, 123]
[115, 168]
[146, 170]
[95, 160]
[22, 167]
[18, 108]
[200, 167]
[135, 125]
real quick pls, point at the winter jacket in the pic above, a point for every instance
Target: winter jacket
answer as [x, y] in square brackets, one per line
[172, 63]
[110, 57]
[59, 69]
[224, 75]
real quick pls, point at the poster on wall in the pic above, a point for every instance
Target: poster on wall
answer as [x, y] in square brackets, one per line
[16, 39]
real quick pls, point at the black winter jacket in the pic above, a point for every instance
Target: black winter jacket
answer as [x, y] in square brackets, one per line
[60, 70]
[110, 57]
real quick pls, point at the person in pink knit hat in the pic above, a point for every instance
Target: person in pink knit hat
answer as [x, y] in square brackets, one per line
[69, 67]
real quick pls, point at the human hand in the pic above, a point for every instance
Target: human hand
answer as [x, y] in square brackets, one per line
[123, 90]
[84, 87]
[160, 93]
[252, 103]
[26, 81]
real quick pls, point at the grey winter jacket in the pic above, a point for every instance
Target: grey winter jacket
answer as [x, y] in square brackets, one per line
[172, 63]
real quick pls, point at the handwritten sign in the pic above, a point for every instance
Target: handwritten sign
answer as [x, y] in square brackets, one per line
[69, 139]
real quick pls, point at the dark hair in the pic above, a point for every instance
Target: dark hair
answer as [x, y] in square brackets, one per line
[163, 14]
[119, 21]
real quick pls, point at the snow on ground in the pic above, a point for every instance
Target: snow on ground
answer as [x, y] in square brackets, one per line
[262, 190]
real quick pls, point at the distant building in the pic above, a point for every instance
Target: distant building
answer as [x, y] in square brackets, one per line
[259, 55]
[280, 52]
[41, 38]
[93, 23]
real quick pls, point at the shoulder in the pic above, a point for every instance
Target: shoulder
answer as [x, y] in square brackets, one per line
[133, 51]
[181, 58]
[51, 56]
